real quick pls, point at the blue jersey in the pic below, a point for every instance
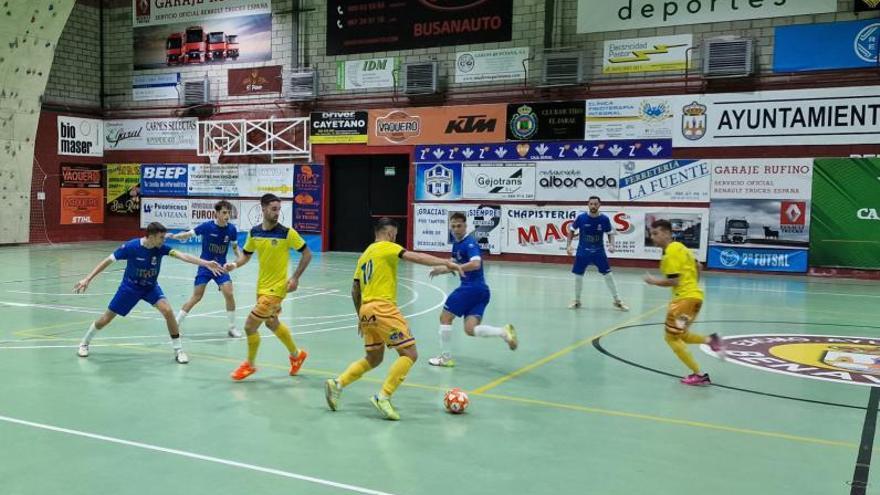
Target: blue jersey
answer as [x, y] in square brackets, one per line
[591, 231]
[143, 265]
[216, 240]
[464, 251]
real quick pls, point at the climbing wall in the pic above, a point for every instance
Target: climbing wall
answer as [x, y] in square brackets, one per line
[29, 32]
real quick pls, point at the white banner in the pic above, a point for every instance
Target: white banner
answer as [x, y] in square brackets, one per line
[577, 180]
[543, 230]
[156, 12]
[202, 210]
[431, 226]
[151, 134]
[172, 213]
[367, 74]
[630, 118]
[762, 178]
[596, 16]
[498, 181]
[491, 65]
[213, 180]
[155, 87]
[665, 181]
[660, 53]
[251, 214]
[80, 137]
[779, 118]
[255, 180]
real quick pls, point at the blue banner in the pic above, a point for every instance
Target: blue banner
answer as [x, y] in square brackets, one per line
[539, 151]
[308, 207]
[438, 181]
[164, 179]
[833, 45]
[758, 260]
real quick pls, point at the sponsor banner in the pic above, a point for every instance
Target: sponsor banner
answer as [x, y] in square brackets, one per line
[374, 73]
[254, 81]
[757, 260]
[486, 66]
[769, 118]
[255, 180]
[202, 210]
[762, 178]
[545, 121]
[80, 205]
[631, 118]
[251, 214]
[242, 37]
[867, 5]
[543, 230]
[431, 226]
[212, 180]
[831, 358]
[81, 176]
[151, 134]
[846, 213]
[80, 137]
[307, 204]
[831, 45]
[498, 181]
[155, 87]
[172, 213]
[438, 181]
[406, 24]
[155, 12]
[541, 151]
[442, 125]
[597, 16]
[162, 179]
[338, 127]
[755, 223]
[665, 181]
[123, 188]
[660, 53]
[577, 181]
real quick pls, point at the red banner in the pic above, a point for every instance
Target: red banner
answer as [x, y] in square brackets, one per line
[82, 205]
[254, 81]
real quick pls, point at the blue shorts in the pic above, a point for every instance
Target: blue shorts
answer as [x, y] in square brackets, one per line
[127, 297]
[203, 276]
[468, 301]
[583, 260]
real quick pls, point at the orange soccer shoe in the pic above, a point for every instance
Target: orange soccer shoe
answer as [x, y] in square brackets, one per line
[243, 371]
[297, 362]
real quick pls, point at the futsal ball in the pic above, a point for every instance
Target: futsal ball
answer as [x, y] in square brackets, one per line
[456, 401]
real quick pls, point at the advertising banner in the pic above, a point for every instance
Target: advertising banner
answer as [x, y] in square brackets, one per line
[80, 137]
[866, 5]
[498, 181]
[487, 66]
[540, 151]
[147, 87]
[577, 180]
[255, 180]
[151, 134]
[202, 210]
[374, 73]
[438, 181]
[81, 176]
[631, 118]
[758, 260]
[406, 24]
[251, 214]
[660, 53]
[846, 213]
[831, 45]
[164, 179]
[338, 127]
[665, 181]
[545, 121]
[81, 205]
[123, 188]
[431, 226]
[437, 125]
[254, 81]
[308, 205]
[212, 180]
[762, 178]
[172, 213]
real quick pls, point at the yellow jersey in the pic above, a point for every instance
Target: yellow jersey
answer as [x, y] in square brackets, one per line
[377, 271]
[679, 260]
[272, 248]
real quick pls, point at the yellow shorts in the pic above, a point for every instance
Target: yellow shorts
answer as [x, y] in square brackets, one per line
[382, 323]
[681, 313]
[267, 306]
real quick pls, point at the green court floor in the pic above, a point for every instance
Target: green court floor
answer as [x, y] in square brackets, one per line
[587, 404]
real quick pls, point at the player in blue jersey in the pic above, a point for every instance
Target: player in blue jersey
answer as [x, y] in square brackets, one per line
[592, 228]
[470, 299]
[144, 259]
[217, 236]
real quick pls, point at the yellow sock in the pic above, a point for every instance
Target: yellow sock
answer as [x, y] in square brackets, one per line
[396, 375]
[354, 372]
[283, 334]
[693, 338]
[253, 344]
[680, 349]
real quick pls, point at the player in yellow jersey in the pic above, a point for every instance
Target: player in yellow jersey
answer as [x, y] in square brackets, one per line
[374, 292]
[272, 242]
[682, 273]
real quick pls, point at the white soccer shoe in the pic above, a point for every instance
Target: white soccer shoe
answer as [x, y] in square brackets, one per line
[83, 351]
[618, 304]
[234, 333]
[181, 357]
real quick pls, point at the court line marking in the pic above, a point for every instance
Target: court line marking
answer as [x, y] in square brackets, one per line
[65, 294]
[193, 455]
[562, 352]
